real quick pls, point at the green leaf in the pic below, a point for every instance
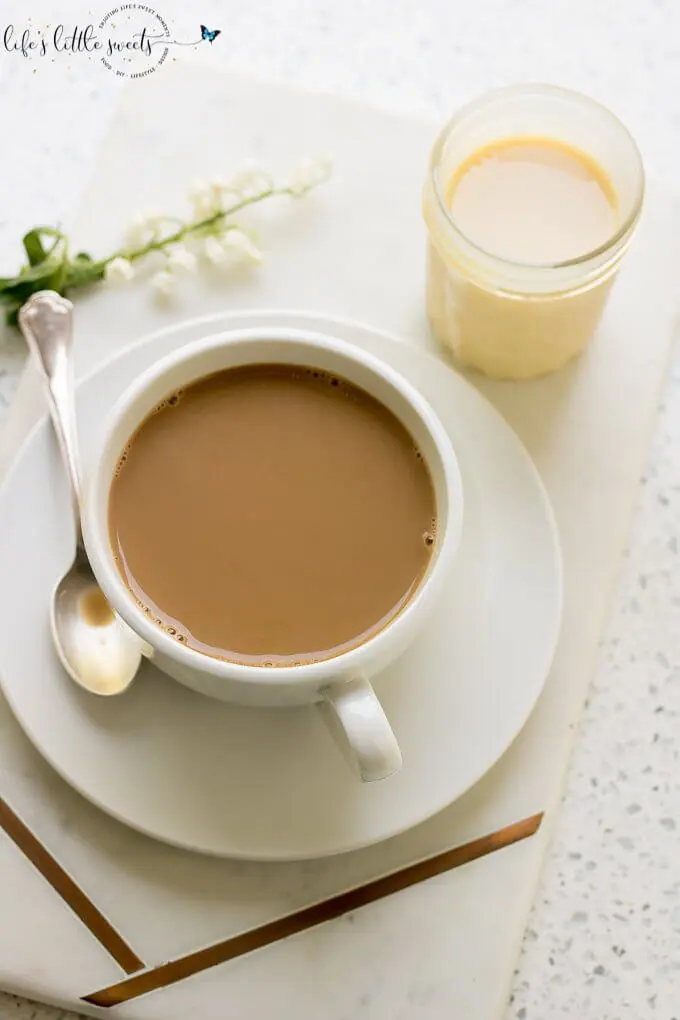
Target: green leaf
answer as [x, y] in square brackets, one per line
[49, 275]
[34, 273]
[33, 243]
[11, 312]
[49, 231]
[13, 298]
[52, 272]
[34, 248]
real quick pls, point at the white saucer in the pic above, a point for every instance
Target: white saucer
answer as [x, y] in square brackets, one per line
[269, 784]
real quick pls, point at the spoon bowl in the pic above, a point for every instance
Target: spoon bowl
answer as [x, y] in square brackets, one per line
[96, 648]
[98, 651]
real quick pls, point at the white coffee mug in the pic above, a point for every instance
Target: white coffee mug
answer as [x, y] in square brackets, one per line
[340, 684]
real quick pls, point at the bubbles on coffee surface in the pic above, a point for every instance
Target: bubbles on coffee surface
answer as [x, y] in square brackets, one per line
[430, 536]
[172, 400]
[279, 663]
[331, 380]
[121, 461]
[173, 632]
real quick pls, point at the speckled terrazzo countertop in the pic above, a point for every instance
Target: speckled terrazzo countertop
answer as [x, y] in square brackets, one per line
[604, 939]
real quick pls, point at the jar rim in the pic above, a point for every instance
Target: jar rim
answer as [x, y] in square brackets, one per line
[557, 91]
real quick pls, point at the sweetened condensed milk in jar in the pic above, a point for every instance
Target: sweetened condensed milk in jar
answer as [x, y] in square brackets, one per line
[531, 201]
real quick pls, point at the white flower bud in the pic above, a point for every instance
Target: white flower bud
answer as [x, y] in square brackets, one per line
[237, 244]
[309, 174]
[205, 199]
[198, 189]
[205, 207]
[180, 260]
[250, 180]
[228, 197]
[119, 270]
[163, 283]
[143, 229]
[214, 251]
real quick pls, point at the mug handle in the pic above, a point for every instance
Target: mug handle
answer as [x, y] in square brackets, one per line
[360, 729]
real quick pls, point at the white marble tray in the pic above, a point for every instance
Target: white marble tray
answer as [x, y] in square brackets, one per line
[354, 250]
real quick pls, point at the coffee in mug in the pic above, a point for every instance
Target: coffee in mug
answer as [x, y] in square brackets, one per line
[272, 515]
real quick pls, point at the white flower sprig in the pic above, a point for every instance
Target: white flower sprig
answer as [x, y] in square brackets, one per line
[209, 233]
[222, 242]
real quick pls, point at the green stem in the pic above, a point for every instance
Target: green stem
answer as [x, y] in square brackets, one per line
[188, 229]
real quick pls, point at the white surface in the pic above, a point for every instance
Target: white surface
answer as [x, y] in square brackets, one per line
[604, 938]
[160, 900]
[269, 784]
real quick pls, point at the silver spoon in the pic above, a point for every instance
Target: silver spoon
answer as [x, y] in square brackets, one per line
[98, 651]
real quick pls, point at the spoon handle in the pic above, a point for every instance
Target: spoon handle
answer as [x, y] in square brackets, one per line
[46, 320]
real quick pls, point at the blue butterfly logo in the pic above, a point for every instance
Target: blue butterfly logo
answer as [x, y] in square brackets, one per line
[210, 34]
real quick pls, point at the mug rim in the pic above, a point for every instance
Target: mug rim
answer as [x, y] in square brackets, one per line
[100, 552]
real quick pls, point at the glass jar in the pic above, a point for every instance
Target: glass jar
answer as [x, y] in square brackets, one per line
[507, 319]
